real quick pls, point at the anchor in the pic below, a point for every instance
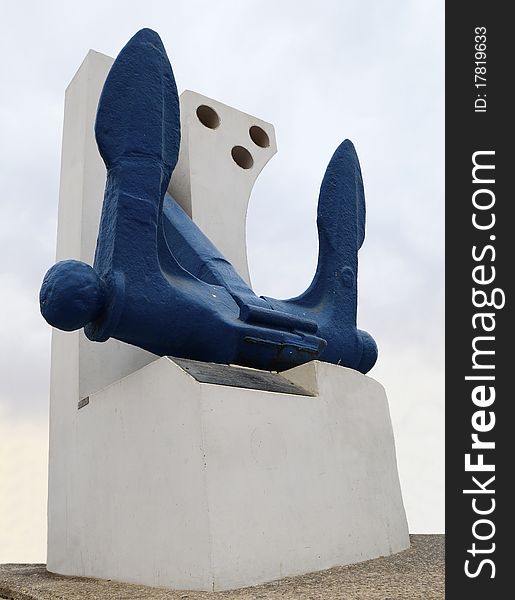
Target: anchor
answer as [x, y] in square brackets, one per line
[159, 283]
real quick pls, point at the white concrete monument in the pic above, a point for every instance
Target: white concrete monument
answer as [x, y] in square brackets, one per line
[193, 475]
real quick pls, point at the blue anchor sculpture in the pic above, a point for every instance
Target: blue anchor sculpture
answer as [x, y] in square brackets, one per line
[158, 282]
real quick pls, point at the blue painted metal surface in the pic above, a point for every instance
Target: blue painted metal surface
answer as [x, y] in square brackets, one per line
[160, 284]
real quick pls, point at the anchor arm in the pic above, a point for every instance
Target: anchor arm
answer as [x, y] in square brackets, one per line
[331, 299]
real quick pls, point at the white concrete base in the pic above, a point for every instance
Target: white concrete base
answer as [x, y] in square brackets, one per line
[198, 486]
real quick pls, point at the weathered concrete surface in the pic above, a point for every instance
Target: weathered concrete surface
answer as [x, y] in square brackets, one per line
[417, 573]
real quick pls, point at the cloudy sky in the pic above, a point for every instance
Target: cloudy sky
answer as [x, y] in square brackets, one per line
[368, 70]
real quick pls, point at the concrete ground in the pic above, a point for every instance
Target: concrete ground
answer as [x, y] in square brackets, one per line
[417, 573]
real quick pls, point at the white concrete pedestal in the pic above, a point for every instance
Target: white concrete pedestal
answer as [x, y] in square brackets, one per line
[200, 486]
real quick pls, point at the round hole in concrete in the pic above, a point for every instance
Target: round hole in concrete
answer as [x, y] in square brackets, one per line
[208, 116]
[242, 157]
[259, 136]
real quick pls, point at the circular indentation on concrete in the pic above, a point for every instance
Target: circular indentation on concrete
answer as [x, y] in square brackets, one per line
[242, 157]
[208, 116]
[259, 136]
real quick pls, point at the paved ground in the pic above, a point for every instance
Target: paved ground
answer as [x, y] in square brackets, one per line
[417, 573]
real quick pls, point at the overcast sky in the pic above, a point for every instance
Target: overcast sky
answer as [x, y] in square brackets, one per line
[371, 71]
